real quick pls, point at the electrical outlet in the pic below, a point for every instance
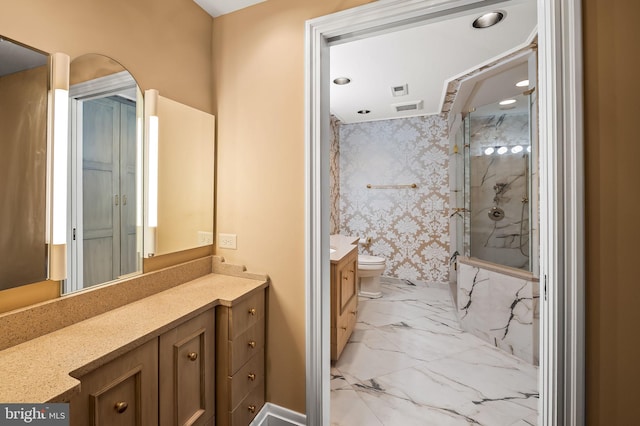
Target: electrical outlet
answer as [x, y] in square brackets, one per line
[205, 238]
[228, 241]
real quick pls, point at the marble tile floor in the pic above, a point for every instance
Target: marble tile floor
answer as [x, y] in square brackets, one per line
[409, 363]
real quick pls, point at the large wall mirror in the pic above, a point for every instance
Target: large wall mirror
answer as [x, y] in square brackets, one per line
[24, 85]
[185, 177]
[125, 149]
[105, 173]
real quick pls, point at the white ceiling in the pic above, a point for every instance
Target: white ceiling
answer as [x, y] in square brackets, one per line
[426, 58]
[216, 8]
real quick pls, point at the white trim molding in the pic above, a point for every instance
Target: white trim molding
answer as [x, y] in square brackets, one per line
[275, 415]
[562, 212]
[561, 192]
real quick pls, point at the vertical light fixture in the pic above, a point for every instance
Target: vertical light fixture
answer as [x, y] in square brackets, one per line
[59, 92]
[151, 208]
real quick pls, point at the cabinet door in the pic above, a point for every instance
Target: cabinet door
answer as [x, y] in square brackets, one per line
[187, 369]
[347, 282]
[123, 392]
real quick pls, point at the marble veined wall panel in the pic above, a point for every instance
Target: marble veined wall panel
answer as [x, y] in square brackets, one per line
[500, 308]
[500, 181]
[334, 177]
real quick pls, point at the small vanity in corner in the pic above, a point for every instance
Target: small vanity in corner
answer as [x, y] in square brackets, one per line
[344, 291]
[184, 345]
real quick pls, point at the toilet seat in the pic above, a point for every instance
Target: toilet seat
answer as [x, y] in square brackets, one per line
[364, 259]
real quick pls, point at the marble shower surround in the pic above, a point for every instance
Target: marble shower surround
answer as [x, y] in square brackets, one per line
[334, 177]
[500, 307]
[408, 227]
[505, 242]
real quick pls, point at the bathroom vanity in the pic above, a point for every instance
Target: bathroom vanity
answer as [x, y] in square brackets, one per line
[188, 353]
[344, 291]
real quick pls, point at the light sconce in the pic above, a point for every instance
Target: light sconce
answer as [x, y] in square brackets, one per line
[151, 184]
[59, 65]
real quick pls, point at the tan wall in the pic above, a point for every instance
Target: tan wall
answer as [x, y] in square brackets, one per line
[611, 40]
[166, 45]
[259, 84]
[19, 297]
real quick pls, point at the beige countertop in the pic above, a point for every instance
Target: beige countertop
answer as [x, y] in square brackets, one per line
[343, 245]
[43, 369]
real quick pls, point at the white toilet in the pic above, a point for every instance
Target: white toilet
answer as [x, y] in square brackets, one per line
[369, 270]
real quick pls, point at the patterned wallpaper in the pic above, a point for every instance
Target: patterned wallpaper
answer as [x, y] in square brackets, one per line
[409, 227]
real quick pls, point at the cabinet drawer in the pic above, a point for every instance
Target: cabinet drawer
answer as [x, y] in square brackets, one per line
[346, 324]
[245, 314]
[245, 346]
[246, 379]
[121, 392]
[249, 407]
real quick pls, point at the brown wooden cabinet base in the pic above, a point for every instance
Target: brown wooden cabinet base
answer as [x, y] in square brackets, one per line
[344, 301]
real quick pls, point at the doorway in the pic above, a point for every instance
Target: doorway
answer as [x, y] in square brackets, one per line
[561, 195]
[104, 167]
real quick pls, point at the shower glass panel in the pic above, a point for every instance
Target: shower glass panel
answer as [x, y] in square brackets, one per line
[498, 183]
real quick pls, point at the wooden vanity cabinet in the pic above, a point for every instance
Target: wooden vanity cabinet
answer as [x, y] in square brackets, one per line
[240, 384]
[344, 301]
[167, 381]
[122, 392]
[187, 360]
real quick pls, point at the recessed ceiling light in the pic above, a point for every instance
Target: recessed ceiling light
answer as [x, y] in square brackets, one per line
[523, 83]
[364, 111]
[507, 102]
[342, 81]
[502, 150]
[489, 151]
[488, 20]
[516, 149]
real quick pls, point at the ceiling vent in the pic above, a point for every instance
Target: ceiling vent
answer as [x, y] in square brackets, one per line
[409, 106]
[400, 90]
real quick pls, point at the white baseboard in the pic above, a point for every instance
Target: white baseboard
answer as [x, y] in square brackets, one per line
[274, 415]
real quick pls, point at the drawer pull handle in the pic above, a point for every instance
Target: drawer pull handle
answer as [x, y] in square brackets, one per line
[346, 278]
[192, 356]
[252, 311]
[251, 377]
[354, 312]
[252, 343]
[343, 328]
[121, 407]
[252, 409]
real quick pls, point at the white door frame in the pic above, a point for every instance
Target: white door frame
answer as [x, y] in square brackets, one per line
[561, 194]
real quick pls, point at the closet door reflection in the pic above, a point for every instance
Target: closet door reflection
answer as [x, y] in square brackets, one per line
[108, 189]
[105, 173]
